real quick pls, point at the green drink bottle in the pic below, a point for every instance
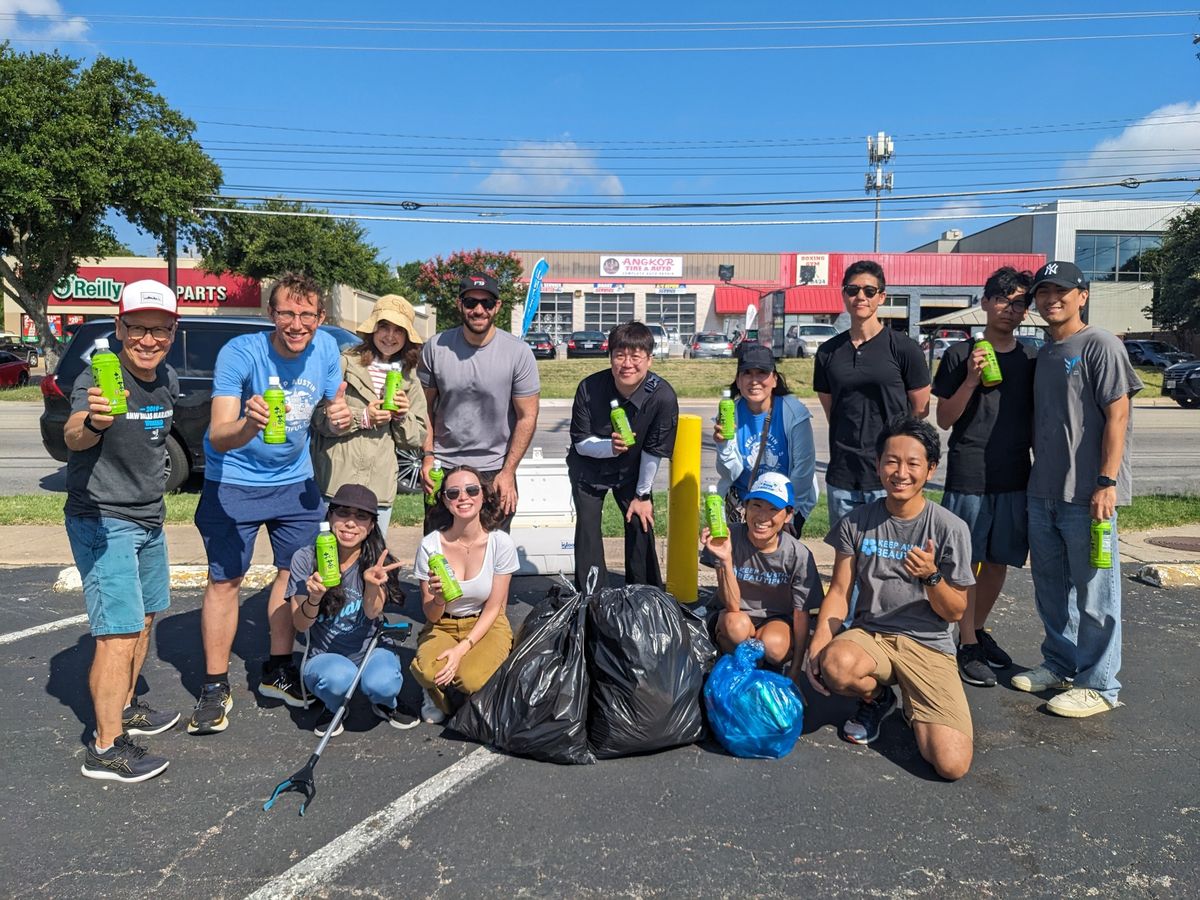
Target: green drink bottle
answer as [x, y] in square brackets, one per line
[437, 476]
[620, 423]
[990, 376]
[714, 513]
[727, 414]
[106, 373]
[395, 378]
[451, 589]
[328, 565]
[1101, 545]
[276, 430]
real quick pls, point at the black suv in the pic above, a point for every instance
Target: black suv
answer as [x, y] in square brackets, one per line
[193, 355]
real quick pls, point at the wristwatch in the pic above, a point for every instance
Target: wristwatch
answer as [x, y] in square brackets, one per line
[87, 423]
[933, 579]
[1105, 481]
[646, 496]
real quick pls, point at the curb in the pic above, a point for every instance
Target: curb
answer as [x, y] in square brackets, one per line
[1170, 575]
[69, 580]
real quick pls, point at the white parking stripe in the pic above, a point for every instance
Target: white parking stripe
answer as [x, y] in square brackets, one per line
[42, 629]
[322, 866]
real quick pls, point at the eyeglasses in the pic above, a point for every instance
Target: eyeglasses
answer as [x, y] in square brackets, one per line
[851, 290]
[471, 302]
[286, 316]
[473, 490]
[1017, 304]
[633, 356]
[346, 512]
[137, 332]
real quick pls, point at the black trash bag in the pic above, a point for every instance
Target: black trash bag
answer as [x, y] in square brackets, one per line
[536, 703]
[647, 660]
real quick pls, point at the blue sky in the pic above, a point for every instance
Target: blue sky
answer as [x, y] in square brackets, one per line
[375, 102]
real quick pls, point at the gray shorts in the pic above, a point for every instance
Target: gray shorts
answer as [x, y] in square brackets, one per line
[998, 522]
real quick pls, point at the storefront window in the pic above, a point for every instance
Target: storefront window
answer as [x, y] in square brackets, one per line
[672, 311]
[603, 312]
[554, 316]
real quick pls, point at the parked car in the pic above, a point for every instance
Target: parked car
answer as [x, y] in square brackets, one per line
[662, 341]
[193, 355]
[1155, 353]
[14, 370]
[940, 346]
[710, 345]
[803, 340]
[587, 343]
[18, 348]
[1181, 382]
[541, 344]
[1032, 341]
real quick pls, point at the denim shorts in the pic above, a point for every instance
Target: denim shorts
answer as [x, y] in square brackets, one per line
[229, 516]
[999, 525]
[125, 572]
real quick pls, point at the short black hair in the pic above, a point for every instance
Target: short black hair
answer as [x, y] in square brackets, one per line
[865, 267]
[631, 336]
[1005, 280]
[911, 426]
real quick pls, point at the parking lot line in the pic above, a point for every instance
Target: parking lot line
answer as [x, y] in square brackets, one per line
[42, 629]
[320, 867]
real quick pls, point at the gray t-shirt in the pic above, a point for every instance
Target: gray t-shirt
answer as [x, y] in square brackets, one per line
[349, 632]
[1076, 379]
[124, 475]
[474, 416]
[774, 584]
[889, 599]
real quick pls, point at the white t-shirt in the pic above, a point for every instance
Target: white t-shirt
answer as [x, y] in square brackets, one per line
[499, 559]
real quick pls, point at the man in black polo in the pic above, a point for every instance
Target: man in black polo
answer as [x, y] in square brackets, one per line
[599, 461]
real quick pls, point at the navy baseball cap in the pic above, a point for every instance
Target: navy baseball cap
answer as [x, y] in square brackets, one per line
[480, 282]
[756, 356]
[1059, 272]
[356, 496]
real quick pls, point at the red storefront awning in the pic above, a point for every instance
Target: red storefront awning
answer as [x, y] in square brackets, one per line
[802, 300]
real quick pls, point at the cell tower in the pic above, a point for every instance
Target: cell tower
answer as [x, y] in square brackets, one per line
[879, 154]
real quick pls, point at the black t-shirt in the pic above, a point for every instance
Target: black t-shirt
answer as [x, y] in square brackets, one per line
[653, 413]
[869, 385]
[989, 444]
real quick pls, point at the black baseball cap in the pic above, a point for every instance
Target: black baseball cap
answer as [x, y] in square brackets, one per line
[480, 282]
[756, 356]
[356, 496]
[1064, 274]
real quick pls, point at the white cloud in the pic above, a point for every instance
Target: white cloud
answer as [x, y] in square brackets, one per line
[944, 218]
[1168, 139]
[27, 20]
[559, 168]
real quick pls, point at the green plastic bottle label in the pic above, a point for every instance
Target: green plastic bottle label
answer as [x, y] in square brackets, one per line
[714, 516]
[106, 373]
[620, 424]
[727, 415]
[395, 378]
[328, 566]
[1101, 545]
[990, 376]
[451, 590]
[276, 430]
[437, 476]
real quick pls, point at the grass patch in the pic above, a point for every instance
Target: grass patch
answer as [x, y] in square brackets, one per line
[31, 392]
[1158, 511]
[692, 378]
[1152, 378]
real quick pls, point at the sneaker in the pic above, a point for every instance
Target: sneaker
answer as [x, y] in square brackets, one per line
[139, 718]
[209, 716]
[123, 761]
[324, 720]
[396, 716]
[1079, 703]
[996, 658]
[973, 667]
[430, 713]
[283, 683]
[1039, 679]
[863, 727]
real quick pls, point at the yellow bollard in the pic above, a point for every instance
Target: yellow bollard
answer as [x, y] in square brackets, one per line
[683, 504]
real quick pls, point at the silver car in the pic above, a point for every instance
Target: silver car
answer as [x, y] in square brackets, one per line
[709, 345]
[803, 340]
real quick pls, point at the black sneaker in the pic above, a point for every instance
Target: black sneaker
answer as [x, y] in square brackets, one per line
[283, 683]
[123, 761]
[996, 658]
[396, 716]
[324, 720]
[863, 726]
[973, 667]
[209, 716]
[139, 718]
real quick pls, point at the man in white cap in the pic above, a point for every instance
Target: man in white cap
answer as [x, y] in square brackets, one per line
[116, 477]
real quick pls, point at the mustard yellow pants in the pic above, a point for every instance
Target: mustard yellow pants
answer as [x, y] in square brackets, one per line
[477, 666]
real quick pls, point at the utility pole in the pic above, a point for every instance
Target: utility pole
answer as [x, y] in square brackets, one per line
[879, 154]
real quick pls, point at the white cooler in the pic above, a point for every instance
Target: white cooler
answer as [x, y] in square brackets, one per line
[544, 526]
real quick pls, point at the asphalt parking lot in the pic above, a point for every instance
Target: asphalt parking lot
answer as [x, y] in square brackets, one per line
[1108, 806]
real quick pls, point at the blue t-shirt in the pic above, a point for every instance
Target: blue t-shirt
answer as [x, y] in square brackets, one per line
[346, 634]
[749, 435]
[243, 367]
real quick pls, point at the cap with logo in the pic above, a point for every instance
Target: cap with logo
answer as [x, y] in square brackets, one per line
[1059, 272]
[756, 356]
[772, 487]
[356, 496]
[147, 294]
[480, 282]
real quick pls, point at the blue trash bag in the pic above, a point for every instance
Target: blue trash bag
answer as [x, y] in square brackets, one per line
[754, 713]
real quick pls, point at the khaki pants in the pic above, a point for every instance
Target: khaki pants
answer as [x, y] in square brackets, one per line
[477, 666]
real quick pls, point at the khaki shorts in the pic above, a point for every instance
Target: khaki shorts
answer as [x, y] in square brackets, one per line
[929, 682]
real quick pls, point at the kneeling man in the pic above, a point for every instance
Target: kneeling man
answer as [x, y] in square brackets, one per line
[911, 562]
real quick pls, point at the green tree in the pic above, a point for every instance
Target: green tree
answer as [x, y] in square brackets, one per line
[439, 278]
[1175, 303]
[77, 144]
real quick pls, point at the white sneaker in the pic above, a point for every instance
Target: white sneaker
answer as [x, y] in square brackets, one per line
[430, 713]
[1039, 679]
[1079, 703]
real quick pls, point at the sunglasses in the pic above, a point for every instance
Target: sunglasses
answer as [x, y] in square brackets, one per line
[851, 290]
[473, 490]
[346, 512]
[471, 302]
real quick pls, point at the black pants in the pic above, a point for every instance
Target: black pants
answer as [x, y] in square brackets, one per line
[641, 557]
[485, 478]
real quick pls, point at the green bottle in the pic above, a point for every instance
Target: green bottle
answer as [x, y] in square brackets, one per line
[1101, 545]
[437, 476]
[990, 376]
[395, 379]
[106, 374]
[714, 513]
[727, 415]
[620, 423]
[451, 589]
[328, 565]
[276, 430]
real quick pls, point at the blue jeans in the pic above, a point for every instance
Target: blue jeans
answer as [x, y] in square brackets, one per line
[125, 572]
[841, 502]
[1080, 606]
[328, 676]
